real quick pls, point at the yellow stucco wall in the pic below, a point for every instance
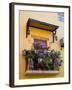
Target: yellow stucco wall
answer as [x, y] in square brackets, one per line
[26, 43]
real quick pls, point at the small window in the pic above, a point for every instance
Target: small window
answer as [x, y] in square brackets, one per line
[38, 44]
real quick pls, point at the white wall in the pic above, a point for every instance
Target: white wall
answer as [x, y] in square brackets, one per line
[4, 44]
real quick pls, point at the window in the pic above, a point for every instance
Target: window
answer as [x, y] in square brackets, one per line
[40, 44]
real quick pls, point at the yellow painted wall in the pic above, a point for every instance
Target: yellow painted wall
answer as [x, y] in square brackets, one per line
[26, 43]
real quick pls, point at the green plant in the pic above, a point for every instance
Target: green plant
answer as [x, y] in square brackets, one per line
[57, 54]
[50, 61]
[30, 55]
[57, 60]
[53, 60]
[46, 59]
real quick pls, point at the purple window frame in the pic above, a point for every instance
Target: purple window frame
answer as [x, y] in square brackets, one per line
[42, 42]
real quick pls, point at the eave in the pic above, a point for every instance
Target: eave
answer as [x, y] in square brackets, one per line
[40, 25]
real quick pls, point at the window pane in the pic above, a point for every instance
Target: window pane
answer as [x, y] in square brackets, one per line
[40, 43]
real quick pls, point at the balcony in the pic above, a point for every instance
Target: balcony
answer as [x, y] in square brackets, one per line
[42, 61]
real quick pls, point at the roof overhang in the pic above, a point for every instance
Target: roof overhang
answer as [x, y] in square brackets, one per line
[40, 25]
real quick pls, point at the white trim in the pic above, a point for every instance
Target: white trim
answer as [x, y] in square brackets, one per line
[16, 44]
